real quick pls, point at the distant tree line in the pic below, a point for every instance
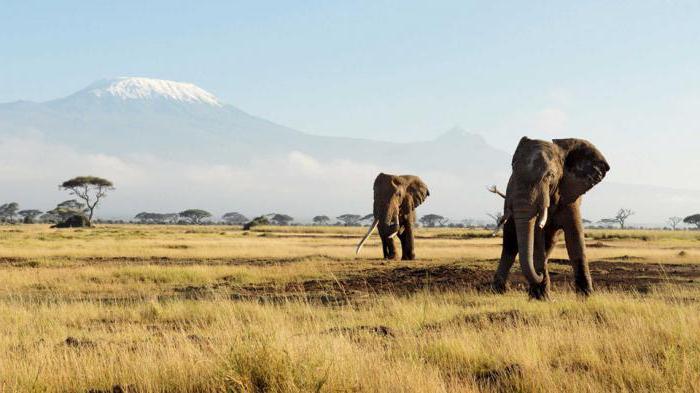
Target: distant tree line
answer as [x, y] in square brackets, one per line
[91, 190]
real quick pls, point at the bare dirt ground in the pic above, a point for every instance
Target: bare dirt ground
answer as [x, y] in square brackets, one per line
[405, 278]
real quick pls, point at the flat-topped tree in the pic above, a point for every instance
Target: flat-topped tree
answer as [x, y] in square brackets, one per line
[156, 218]
[8, 211]
[367, 218]
[91, 189]
[29, 215]
[69, 208]
[280, 219]
[321, 220]
[234, 218]
[350, 220]
[433, 220]
[195, 216]
[260, 220]
[693, 220]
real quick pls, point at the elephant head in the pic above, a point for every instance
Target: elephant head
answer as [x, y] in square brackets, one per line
[394, 196]
[545, 175]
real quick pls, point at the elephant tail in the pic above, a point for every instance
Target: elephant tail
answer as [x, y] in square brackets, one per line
[364, 239]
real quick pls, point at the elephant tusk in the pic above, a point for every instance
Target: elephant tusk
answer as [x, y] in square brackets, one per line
[543, 219]
[369, 232]
[393, 235]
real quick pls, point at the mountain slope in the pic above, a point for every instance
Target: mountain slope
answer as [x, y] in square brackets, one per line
[182, 121]
[153, 136]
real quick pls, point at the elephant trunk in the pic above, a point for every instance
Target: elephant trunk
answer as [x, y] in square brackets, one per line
[394, 225]
[525, 230]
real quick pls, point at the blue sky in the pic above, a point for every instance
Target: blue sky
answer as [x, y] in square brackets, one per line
[624, 75]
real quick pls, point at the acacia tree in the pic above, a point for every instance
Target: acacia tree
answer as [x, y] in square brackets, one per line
[8, 211]
[496, 217]
[234, 218]
[260, 220]
[91, 189]
[157, 218]
[431, 220]
[29, 215]
[281, 219]
[350, 219]
[194, 216]
[674, 221]
[68, 208]
[693, 220]
[620, 218]
[321, 220]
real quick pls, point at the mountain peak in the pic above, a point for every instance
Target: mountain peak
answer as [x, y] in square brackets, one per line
[459, 134]
[136, 88]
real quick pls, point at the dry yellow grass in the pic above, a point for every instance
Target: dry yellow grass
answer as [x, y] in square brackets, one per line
[193, 309]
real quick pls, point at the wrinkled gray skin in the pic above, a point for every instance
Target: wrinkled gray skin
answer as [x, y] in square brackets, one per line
[395, 201]
[542, 200]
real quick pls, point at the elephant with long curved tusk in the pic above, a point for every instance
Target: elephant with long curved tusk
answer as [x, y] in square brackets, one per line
[395, 201]
[542, 200]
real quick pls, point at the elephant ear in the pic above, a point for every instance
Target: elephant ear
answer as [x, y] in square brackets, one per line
[582, 158]
[418, 191]
[584, 165]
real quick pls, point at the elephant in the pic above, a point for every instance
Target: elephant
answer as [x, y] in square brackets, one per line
[543, 199]
[395, 201]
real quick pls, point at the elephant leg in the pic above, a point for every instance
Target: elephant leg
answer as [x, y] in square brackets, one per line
[576, 248]
[540, 253]
[389, 248]
[407, 250]
[508, 253]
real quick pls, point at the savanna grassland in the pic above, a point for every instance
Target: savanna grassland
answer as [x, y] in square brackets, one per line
[292, 309]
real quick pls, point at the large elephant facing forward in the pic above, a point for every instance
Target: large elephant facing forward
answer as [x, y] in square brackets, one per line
[395, 201]
[543, 199]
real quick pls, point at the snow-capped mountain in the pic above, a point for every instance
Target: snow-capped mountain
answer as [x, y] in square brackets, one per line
[136, 88]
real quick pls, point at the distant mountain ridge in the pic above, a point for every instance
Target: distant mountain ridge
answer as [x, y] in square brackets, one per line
[248, 159]
[181, 120]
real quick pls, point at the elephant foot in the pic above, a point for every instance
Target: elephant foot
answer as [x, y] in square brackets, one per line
[539, 292]
[409, 257]
[499, 286]
[584, 289]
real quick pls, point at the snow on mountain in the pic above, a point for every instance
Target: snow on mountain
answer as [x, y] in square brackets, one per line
[135, 88]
